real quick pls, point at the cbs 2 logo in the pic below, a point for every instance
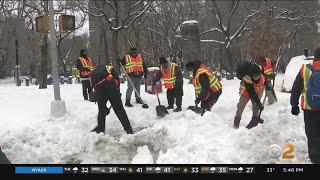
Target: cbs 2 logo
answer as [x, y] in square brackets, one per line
[286, 153]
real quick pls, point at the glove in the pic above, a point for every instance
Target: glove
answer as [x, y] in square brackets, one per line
[260, 106]
[295, 110]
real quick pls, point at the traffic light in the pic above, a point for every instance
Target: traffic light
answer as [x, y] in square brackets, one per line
[66, 23]
[42, 23]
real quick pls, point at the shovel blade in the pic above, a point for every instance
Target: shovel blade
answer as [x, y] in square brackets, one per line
[161, 111]
[195, 109]
[145, 106]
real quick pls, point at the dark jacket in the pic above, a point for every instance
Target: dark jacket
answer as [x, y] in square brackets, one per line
[136, 74]
[3, 158]
[99, 74]
[296, 90]
[246, 70]
[298, 86]
[179, 78]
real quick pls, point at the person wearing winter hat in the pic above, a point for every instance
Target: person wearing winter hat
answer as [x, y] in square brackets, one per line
[251, 88]
[265, 65]
[307, 84]
[85, 66]
[135, 67]
[172, 81]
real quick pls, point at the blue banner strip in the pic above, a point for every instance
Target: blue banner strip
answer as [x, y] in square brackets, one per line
[39, 170]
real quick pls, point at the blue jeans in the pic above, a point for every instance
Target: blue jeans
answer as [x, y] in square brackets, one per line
[136, 82]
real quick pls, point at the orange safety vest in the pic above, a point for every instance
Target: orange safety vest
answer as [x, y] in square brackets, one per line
[133, 64]
[215, 84]
[267, 69]
[257, 86]
[306, 73]
[169, 76]
[86, 63]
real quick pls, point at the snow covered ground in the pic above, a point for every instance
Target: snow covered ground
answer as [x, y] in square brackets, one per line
[29, 135]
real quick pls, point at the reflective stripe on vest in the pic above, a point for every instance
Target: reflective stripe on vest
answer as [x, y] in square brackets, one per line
[215, 84]
[267, 69]
[133, 64]
[109, 69]
[257, 86]
[86, 63]
[306, 74]
[108, 77]
[169, 76]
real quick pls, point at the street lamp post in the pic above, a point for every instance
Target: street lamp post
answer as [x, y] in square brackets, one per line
[58, 107]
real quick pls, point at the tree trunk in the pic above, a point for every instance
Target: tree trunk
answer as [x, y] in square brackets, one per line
[3, 62]
[64, 67]
[2, 74]
[43, 64]
[115, 50]
[230, 61]
[107, 60]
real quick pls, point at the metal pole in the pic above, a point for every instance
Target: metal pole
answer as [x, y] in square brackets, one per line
[17, 63]
[58, 106]
[53, 52]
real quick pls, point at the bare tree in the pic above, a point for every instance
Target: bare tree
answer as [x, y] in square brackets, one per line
[280, 27]
[117, 15]
[225, 26]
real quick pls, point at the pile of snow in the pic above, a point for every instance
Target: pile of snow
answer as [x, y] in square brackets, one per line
[143, 157]
[190, 22]
[30, 135]
[292, 70]
[153, 68]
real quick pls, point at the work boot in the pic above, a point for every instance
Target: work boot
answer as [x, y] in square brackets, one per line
[260, 121]
[97, 130]
[169, 107]
[236, 122]
[139, 101]
[128, 104]
[178, 109]
[253, 123]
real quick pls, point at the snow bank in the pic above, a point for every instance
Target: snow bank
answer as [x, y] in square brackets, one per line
[190, 22]
[143, 157]
[292, 70]
[29, 135]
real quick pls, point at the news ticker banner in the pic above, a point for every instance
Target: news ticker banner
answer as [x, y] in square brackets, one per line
[158, 169]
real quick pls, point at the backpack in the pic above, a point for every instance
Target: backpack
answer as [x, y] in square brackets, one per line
[313, 89]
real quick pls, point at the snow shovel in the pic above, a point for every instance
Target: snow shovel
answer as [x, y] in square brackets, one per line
[144, 105]
[197, 109]
[161, 109]
[259, 119]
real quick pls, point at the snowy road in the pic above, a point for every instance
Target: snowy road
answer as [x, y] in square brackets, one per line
[29, 135]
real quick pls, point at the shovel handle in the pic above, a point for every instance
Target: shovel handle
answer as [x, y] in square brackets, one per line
[158, 98]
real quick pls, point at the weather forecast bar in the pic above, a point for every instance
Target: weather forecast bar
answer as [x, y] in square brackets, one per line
[196, 169]
[39, 170]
